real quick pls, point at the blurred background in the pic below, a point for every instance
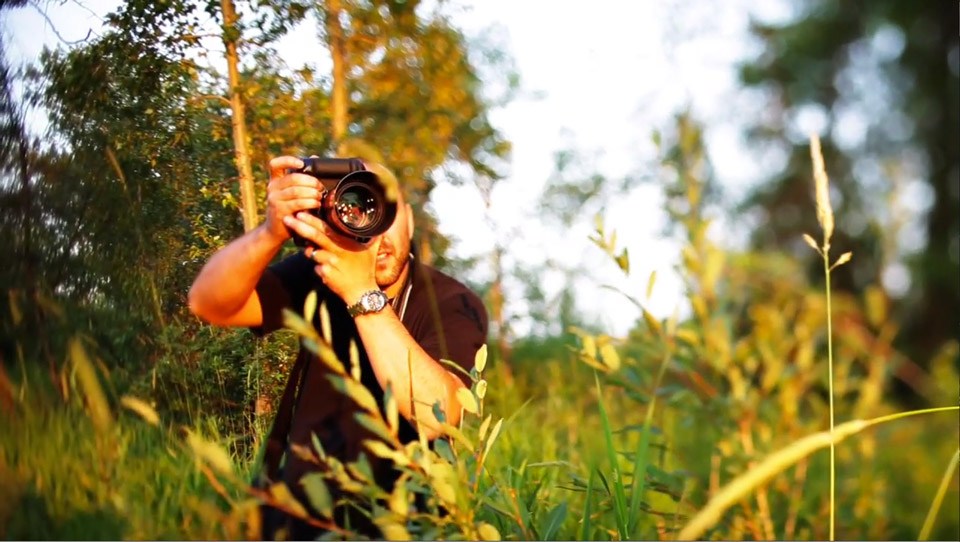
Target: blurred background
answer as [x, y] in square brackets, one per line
[134, 138]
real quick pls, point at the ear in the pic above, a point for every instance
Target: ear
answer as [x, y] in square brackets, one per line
[409, 219]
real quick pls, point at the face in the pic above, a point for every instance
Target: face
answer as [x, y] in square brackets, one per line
[394, 250]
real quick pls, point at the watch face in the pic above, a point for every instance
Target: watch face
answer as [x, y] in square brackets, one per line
[374, 301]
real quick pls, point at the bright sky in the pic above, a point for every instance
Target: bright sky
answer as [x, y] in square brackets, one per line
[597, 77]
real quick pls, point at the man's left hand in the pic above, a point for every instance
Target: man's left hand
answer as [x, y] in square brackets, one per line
[347, 267]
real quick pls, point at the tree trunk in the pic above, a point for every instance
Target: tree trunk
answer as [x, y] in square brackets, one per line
[338, 53]
[248, 203]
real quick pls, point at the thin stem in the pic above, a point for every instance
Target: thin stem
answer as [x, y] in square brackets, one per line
[833, 471]
[938, 499]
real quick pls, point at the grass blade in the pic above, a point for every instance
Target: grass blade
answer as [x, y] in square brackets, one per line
[619, 496]
[938, 499]
[586, 529]
[779, 461]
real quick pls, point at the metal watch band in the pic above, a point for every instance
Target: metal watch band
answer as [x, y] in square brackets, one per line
[361, 307]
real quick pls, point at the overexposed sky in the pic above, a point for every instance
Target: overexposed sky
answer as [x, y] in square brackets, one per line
[598, 77]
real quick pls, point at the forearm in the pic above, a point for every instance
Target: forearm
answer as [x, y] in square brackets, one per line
[387, 342]
[226, 284]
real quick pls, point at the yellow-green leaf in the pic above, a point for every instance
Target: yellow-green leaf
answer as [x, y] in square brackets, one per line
[877, 305]
[652, 322]
[354, 360]
[844, 258]
[356, 391]
[480, 360]
[210, 453]
[399, 501]
[467, 400]
[484, 426]
[392, 530]
[610, 357]
[325, 323]
[481, 388]
[94, 398]
[292, 320]
[488, 532]
[493, 436]
[310, 306]
[144, 410]
[318, 493]
[457, 435]
[650, 282]
[280, 493]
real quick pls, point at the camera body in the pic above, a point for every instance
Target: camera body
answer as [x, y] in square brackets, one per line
[353, 201]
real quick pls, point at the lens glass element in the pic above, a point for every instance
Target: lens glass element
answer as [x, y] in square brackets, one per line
[357, 207]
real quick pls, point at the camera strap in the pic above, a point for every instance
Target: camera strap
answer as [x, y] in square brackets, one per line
[399, 303]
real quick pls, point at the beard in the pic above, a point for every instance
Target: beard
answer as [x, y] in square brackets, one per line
[392, 265]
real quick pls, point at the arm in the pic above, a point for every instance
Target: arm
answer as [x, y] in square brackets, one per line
[349, 269]
[386, 341]
[224, 293]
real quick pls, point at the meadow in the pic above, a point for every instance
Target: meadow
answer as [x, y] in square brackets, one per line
[767, 414]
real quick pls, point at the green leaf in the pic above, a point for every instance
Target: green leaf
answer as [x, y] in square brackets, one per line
[553, 522]
[619, 495]
[493, 436]
[318, 494]
[586, 530]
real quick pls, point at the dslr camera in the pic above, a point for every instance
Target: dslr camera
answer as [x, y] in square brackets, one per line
[353, 201]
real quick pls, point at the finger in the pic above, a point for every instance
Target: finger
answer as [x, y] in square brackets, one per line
[295, 179]
[299, 191]
[305, 230]
[324, 257]
[290, 207]
[317, 228]
[280, 165]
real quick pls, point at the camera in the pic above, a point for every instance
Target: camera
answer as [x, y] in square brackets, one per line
[353, 201]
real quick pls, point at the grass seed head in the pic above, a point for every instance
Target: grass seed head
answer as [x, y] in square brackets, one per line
[822, 184]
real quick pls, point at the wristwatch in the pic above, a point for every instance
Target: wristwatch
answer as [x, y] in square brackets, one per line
[372, 301]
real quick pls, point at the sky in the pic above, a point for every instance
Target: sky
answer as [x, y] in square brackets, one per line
[597, 77]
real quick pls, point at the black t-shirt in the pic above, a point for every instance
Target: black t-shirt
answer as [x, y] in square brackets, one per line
[442, 315]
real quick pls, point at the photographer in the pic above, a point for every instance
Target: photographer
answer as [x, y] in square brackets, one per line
[377, 294]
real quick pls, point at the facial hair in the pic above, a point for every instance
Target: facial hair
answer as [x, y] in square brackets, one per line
[393, 264]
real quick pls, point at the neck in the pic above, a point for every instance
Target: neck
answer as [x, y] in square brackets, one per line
[396, 288]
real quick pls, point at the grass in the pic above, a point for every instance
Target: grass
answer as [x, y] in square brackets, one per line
[705, 428]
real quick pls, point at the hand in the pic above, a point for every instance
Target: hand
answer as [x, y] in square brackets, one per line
[287, 194]
[347, 267]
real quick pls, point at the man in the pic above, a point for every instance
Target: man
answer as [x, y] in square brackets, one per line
[421, 311]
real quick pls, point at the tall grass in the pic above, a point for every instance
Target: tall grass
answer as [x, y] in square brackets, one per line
[707, 427]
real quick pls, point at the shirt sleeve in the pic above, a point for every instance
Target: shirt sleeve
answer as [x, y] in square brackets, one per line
[284, 285]
[462, 330]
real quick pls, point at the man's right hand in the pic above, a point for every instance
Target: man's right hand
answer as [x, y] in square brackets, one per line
[288, 193]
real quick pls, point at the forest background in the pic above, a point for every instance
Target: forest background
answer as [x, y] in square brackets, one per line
[150, 157]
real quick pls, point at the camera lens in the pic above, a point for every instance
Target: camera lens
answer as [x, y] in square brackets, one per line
[357, 207]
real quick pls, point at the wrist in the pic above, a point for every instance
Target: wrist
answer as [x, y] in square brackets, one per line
[270, 236]
[352, 297]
